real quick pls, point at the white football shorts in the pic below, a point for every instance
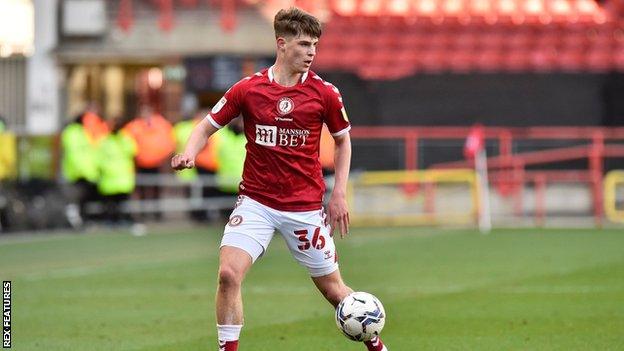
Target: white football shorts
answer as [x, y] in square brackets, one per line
[252, 225]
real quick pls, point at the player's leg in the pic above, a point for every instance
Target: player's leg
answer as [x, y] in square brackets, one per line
[245, 238]
[233, 265]
[312, 245]
[332, 287]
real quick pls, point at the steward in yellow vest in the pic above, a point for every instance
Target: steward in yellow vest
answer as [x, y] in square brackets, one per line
[8, 152]
[79, 154]
[117, 171]
[231, 156]
[80, 163]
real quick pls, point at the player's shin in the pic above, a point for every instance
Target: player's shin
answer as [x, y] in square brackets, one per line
[228, 337]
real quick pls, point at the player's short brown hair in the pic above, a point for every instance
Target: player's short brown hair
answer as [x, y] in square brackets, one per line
[295, 22]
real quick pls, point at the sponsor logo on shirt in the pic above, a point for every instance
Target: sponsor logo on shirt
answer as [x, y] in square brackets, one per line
[274, 136]
[266, 135]
[292, 137]
[285, 105]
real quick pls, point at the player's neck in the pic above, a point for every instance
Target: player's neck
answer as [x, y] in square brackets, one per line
[285, 77]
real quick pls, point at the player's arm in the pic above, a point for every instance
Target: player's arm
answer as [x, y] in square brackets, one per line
[338, 210]
[202, 131]
[221, 114]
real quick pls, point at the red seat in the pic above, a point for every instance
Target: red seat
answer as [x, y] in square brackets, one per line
[410, 56]
[574, 40]
[465, 40]
[599, 60]
[618, 60]
[439, 40]
[370, 72]
[490, 60]
[433, 60]
[560, 11]
[517, 60]
[548, 39]
[521, 39]
[492, 40]
[543, 60]
[571, 60]
[462, 61]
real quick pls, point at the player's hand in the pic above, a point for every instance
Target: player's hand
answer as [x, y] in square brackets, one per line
[180, 161]
[338, 214]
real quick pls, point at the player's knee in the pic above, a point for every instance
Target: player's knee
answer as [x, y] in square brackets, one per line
[229, 277]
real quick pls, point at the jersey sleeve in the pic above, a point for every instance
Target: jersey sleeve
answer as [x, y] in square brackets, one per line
[229, 107]
[335, 114]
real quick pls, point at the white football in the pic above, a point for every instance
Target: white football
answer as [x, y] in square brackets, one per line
[360, 316]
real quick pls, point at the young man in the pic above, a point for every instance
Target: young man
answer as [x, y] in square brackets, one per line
[284, 108]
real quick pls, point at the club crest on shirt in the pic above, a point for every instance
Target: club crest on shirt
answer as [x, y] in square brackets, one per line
[285, 105]
[235, 220]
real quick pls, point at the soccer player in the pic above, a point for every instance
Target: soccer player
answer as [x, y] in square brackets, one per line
[284, 108]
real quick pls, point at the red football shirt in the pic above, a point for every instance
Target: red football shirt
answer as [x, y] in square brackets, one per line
[283, 129]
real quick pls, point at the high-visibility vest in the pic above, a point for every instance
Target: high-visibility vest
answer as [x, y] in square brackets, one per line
[8, 155]
[231, 156]
[207, 158]
[116, 164]
[79, 154]
[154, 139]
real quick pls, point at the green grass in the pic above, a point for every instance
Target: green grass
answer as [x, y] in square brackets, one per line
[443, 290]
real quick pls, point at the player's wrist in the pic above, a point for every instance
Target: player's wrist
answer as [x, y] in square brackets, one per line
[339, 193]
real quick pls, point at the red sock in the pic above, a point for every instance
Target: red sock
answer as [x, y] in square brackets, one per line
[228, 345]
[374, 344]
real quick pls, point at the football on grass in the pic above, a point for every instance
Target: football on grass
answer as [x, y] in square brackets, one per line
[360, 316]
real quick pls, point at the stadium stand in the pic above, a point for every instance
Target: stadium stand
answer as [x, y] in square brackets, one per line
[472, 36]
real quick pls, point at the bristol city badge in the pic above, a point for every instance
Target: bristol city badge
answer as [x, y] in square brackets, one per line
[285, 106]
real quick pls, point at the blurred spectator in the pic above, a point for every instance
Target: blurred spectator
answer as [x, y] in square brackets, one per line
[95, 127]
[206, 161]
[117, 174]
[207, 164]
[8, 154]
[8, 157]
[79, 163]
[326, 152]
[231, 156]
[155, 141]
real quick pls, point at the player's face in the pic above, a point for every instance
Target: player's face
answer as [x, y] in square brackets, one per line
[299, 52]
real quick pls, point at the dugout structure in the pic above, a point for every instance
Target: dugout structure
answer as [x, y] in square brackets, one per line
[414, 197]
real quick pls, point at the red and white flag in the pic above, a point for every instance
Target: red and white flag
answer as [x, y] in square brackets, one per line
[475, 141]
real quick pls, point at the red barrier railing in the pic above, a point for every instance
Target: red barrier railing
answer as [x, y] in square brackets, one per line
[508, 169]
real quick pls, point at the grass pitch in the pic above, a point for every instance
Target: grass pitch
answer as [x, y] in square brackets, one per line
[443, 290]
